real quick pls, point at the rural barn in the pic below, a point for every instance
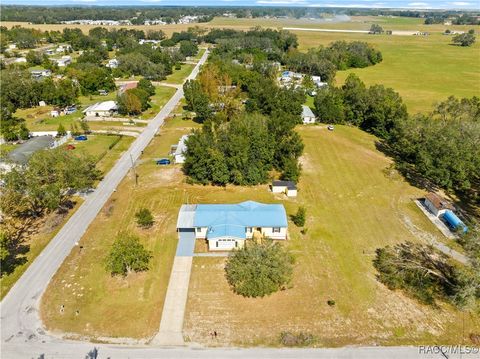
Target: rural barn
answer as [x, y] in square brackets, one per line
[101, 109]
[307, 115]
[227, 226]
[436, 204]
[287, 187]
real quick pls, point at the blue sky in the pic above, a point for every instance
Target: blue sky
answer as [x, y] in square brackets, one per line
[411, 4]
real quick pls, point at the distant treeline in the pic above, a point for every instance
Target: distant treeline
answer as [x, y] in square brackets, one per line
[170, 14]
[463, 19]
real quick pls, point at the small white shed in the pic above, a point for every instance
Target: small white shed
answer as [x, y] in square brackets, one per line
[307, 115]
[287, 187]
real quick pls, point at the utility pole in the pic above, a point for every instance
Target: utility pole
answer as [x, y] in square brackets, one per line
[134, 171]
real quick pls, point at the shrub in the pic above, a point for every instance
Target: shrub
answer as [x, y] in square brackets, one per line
[300, 217]
[296, 340]
[331, 302]
[259, 269]
[127, 255]
[144, 218]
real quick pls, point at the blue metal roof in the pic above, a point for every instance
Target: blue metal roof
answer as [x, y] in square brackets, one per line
[454, 221]
[245, 214]
[226, 230]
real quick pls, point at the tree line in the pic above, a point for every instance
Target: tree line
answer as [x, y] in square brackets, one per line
[442, 146]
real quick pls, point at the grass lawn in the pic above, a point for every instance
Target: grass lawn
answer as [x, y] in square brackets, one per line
[161, 97]
[5, 148]
[47, 229]
[98, 147]
[354, 205]
[198, 56]
[179, 76]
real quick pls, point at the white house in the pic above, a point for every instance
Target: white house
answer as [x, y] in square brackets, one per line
[101, 109]
[55, 112]
[39, 74]
[287, 187]
[179, 150]
[64, 61]
[436, 204]
[113, 63]
[228, 226]
[307, 115]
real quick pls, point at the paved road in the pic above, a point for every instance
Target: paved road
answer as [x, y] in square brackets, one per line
[20, 320]
[79, 350]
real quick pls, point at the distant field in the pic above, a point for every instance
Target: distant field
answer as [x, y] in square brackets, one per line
[357, 22]
[424, 70]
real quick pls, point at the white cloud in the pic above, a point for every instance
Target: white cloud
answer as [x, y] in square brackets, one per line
[84, 0]
[460, 3]
[418, 4]
[150, 0]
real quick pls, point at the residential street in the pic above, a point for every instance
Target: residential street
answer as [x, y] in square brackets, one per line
[19, 309]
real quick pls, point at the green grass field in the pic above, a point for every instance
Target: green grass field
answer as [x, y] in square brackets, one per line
[161, 97]
[355, 204]
[424, 70]
[179, 76]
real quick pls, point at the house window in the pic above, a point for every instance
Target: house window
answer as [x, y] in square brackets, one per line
[249, 229]
[276, 229]
[199, 229]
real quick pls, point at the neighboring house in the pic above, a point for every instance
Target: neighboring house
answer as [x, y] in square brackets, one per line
[287, 187]
[307, 115]
[70, 109]
[317, 80]
[64, 61]
[101, 109]
[178, 151]
[113, 63]
[127, 86]
[49, 52]
[40, 74]
[436, 204]
[20, 60]
[55, 112]
[228, 226]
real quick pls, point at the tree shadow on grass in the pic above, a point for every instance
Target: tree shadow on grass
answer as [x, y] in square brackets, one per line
[407, 171]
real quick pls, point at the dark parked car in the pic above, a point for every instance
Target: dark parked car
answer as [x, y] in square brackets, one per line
[163, 161]
[81, 138]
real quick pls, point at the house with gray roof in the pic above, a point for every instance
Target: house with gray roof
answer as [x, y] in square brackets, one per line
[228, 226]
[307, 115]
